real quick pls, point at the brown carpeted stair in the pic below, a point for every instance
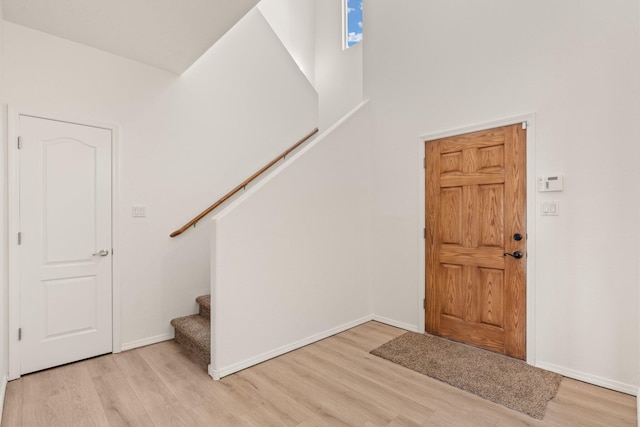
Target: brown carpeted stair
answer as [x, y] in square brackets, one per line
[193, 332]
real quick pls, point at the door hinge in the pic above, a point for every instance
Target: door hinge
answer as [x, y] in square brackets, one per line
[19, 334]
[19, 237]
[19, 143]
[424, 162]
[424, 303]
[424, 233]
[524, 125]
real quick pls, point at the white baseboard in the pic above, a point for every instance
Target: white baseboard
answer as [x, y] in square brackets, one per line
[216, 374]
[3, 393]
[395, 323]
[213, 373]
[147, 341]
[589, 378]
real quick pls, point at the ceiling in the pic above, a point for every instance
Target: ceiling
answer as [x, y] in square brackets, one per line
[168, 34]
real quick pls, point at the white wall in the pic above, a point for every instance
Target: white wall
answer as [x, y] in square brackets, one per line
[294, 21]
[312, 32]
[292, 256]
[184, 142]
[435, 66]
[4, 279]
[338, 75]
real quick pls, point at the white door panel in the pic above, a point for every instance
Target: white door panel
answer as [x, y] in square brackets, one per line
[69, 216]
[65, 218]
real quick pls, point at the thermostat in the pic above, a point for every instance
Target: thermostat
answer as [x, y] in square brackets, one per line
[550, 183]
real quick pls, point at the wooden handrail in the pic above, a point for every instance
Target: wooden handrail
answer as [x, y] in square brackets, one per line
[207, 211]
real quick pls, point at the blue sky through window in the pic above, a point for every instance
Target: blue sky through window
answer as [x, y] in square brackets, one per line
[354, 22]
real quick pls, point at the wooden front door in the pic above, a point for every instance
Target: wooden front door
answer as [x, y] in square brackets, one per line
[476, 239]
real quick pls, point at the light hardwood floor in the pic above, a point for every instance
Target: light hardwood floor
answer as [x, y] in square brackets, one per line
[332, 382]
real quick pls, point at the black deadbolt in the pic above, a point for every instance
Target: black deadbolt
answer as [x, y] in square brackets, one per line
[517, 237]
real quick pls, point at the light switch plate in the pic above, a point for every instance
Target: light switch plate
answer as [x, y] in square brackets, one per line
[139, 211]
[550, 208]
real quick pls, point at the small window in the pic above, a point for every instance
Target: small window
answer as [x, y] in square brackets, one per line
[352, 20]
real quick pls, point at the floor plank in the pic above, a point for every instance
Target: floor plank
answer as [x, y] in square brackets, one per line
[334, 382]
[13, 404]
[62, 396]
[161, 404]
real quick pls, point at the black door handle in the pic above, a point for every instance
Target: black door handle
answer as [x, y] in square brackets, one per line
[516, 254]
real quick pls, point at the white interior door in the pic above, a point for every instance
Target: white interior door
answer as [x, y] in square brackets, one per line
[65, 249]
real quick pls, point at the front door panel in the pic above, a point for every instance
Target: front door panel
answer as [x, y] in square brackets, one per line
[475, 205]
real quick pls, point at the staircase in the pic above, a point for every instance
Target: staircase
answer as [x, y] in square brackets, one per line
[193, 332]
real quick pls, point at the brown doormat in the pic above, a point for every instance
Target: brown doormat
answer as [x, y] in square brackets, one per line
[500, 379]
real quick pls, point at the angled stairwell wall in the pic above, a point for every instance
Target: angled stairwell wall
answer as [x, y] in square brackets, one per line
[294, 21]
[290, 258]
[312, 33]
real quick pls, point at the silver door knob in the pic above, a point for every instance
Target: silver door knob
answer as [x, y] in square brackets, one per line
[102, 252]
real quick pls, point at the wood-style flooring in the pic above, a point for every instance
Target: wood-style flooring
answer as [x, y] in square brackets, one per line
[334, 382]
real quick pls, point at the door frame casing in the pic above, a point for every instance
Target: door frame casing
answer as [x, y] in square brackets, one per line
[531, 210]
[13, 184]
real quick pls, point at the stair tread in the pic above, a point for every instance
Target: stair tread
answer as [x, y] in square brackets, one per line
[196, 328]
[204, 301]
